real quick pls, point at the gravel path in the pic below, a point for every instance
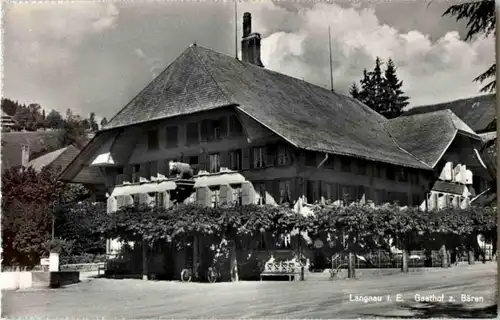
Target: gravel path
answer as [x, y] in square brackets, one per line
[134, 299]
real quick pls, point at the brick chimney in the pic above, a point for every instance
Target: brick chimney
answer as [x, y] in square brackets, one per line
[25, 155]
[250, 44]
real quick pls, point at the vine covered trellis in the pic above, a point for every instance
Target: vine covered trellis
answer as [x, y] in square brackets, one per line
[363, 227]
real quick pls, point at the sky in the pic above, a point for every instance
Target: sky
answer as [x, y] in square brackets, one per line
[94, 56]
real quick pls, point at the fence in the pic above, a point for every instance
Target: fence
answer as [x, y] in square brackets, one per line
[383, 260]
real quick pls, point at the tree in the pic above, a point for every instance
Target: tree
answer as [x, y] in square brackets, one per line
[480, 17]
[27, 200]
[9, 106]
[382, 92]
[104, 122]
[394, 98]
[354, 91]
[54, 120]
[92, 122]
[73, 131]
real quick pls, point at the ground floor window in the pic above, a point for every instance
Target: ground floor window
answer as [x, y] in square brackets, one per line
[237, 194]
[215, 196]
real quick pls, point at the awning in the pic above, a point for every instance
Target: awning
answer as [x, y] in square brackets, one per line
[218, 179]
[143, 188]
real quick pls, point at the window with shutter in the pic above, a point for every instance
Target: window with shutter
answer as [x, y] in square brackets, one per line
[153, 139]
[345, 164]
[220, 128]
[402, 175]
[192, 133]
[361, 166]
[237, 194]
[283, 158]
[172, 137]
[330, 162]
[214, 162]
[260, 193]
[207, 133]
[271, 155]
[389, 172]
[285, 192]
[214, 196]
[377, 171]
[258, 157]
[310, 159]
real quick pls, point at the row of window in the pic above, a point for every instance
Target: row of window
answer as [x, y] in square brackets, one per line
[391, 173]
[270, 155]
[202, 131]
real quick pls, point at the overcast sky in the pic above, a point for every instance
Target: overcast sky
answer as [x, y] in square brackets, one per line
[91, 56]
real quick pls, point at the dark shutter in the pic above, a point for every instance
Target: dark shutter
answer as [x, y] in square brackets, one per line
[271, 154]
[223, 127]
[205, 128]
[246, 160]
[224, 159]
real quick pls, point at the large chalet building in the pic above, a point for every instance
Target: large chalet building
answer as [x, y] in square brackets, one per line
[253, 135]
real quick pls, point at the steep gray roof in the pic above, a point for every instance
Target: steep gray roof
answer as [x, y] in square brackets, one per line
[308, 116]
[428, 135]
[61, 157]
[477, 112]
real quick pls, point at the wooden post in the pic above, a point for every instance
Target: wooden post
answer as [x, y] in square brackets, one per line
[444, 255]
[404, 266]
[195, 258]
[144, 260]
[351, 271]
[234, 262]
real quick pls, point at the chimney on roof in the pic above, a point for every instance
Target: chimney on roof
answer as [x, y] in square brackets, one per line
[25, 155]
[250, 44]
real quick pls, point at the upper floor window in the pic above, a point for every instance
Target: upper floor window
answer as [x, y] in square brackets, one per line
[377, 171]
[345, 164]
[310, 159]
[283, 158]
[153, 139]
[329, 163]
[390, 174]
[136, 171]
[172, 139]
[237, 194]
[192, 133]
[361, 166]
[235, 160]
[402, 175]
[215, 195]
[235, 127]
[213, 129]
[258, 158]
[311, 191]
[214, 162]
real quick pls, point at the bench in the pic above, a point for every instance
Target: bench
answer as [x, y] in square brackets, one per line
[279, 269]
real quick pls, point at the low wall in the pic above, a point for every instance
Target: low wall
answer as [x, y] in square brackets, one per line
[14, 280]
[37, 279]
[82, 267]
